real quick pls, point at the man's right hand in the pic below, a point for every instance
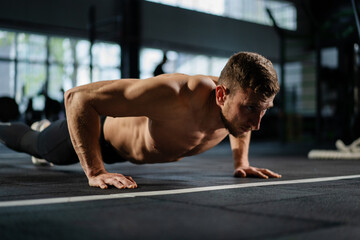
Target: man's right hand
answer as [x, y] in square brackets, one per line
[104, 180]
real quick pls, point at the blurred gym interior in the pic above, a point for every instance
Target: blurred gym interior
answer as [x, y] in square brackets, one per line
[48, 47]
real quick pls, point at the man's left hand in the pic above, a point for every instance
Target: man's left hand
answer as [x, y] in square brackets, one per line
[255, 172]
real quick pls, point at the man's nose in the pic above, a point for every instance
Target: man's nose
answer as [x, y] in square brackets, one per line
[256, 123]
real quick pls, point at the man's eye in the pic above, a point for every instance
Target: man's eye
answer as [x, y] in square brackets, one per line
[250, 108]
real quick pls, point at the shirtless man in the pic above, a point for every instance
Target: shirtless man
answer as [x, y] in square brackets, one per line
[161, 119]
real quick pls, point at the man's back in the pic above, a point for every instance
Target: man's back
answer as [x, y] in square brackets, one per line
[181, 122]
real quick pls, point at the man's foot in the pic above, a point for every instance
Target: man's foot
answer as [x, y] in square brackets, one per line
[39, 126]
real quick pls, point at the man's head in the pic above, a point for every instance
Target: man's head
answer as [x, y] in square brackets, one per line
[250, 70]
[246, 89]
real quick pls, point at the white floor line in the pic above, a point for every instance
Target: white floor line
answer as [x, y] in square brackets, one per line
[19, 203]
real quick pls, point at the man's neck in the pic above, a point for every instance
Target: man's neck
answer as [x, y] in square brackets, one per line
[214, 111]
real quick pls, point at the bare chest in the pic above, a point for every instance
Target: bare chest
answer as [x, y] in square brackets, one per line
[180, 139]
[144, 141]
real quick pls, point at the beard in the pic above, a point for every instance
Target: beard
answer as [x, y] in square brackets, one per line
[230, 127]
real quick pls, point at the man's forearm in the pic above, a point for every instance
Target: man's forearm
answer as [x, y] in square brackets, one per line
[84, 128]
[240, 150]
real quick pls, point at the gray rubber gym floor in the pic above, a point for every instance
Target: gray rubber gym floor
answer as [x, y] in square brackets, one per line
[320, 208]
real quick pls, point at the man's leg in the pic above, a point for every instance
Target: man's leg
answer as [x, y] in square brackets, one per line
[18, 137]
[55, 145]
[52, 144]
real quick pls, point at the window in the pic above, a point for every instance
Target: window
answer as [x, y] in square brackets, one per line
[179, 62]
[248, 10]
[300, 80]
[106, 61]
[30, 63]
[7, 67]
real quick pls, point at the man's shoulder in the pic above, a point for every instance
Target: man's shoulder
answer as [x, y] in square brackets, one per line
[198, 90]
[185, 83]
[201, 83]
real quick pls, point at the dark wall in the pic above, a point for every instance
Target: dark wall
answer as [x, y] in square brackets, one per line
[161, 26]
[65, 17]
[180, 28]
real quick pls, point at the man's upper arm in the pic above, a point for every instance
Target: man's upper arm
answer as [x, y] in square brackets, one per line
[126, 97]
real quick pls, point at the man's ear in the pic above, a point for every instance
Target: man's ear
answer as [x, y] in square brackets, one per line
[221, 93]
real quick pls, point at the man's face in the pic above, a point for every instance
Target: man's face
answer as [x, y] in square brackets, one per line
[242, 111]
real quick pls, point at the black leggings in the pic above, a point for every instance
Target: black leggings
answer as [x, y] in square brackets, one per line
[52, 144]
